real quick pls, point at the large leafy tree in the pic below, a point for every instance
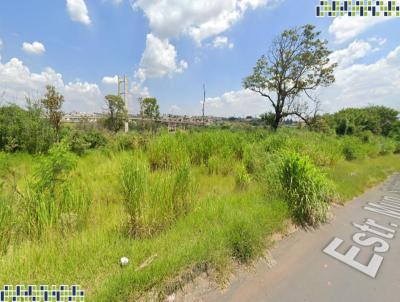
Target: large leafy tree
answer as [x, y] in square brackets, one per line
[117, 113]
[150, 108]
[295, 66]
[52, 103]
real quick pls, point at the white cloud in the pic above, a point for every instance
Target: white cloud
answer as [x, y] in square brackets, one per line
[198, 19]
[355, 51]
[356, 85]
[110, 80]
[174, 109]
[159, 59]
[115, 2]
[362, 84]
[237, 103]
[18, 82]
[82, 95]
[35, 48]
[379, 41]
[169, 19]
[222, 42]
[78, 11]
[345, 28]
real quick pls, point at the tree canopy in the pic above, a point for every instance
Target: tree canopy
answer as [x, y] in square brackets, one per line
[296, 64]
[117, 114]
[52, 103]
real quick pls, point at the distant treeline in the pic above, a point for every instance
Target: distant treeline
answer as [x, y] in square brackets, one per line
[31, 130]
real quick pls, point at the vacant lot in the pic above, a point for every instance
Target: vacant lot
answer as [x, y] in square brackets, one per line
[174, 204]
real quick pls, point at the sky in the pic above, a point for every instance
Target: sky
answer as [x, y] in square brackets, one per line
[170, 48]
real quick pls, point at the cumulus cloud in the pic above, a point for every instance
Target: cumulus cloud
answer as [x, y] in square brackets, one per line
[362, 84]
[222, 42]
[169, 19]
[159, 59]
[35, 48]
[17, 82]
[237, 103]
[355, 51]
[357, 85]
[82, 95]
[198, 19]
[345, 28]
[110, 80]
[78, 11]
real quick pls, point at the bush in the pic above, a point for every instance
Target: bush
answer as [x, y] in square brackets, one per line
[55, 197]
[77, 142]
[387, 146]
[242, 178]
[95, 138]
[353, 148]
[25, 130]
[122, 142]
[306, 189]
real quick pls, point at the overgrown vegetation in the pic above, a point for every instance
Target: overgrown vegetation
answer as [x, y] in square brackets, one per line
[76, 198]
[306, 189]
[202, 196]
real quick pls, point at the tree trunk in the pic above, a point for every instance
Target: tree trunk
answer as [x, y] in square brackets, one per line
[277, 121]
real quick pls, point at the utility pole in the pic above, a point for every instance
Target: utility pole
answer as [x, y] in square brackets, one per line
[123, 91]
[204, 102]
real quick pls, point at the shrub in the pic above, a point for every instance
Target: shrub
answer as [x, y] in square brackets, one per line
[95, 138]
[306, 189]
[353, 148]
[25, 130]
[77, 142]
[55, 193]
[123, 141]
[242, 178]
[387, 146]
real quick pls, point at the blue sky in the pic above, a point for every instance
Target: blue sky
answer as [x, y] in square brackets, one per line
[169, 48]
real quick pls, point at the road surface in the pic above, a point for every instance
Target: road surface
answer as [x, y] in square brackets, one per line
[355, 258]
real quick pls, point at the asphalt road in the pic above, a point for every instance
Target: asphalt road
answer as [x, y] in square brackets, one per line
[360, 263]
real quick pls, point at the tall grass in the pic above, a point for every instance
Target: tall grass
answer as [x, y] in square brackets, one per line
[306, 189]
[6, 224]
[248, 183]
[55, 197]
[153, 200]
[242, 177]
[166, 152]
